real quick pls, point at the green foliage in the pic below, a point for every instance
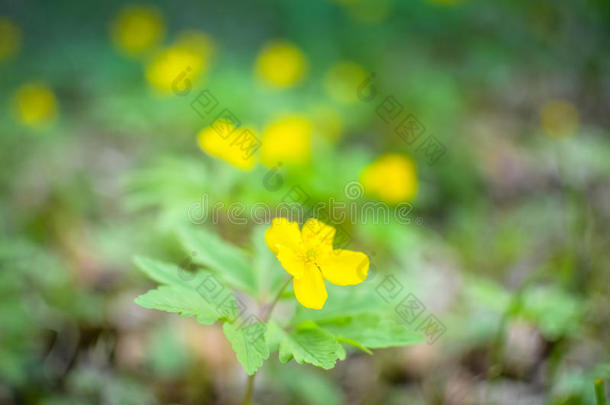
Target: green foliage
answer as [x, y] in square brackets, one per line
[306, 344]
[168, 183]
[507, 203]
[176, 295]
[356, 316]
[372, 332]
[305, 385]
[167, 356]
[551, 309]
[267, 267]
[600, 392]
[228, 261]
[251, 352]
[92, 385]
[36, 292]
[345, 301]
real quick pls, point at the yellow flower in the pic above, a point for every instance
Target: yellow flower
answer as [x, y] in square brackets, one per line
[559, 118]
[281, 64]
[309, 257]
[342, 80]
[287, 140]
[10, 38]
[228, 147]
[137, 29]
[35, 104]
[392, 178]
[187, 58]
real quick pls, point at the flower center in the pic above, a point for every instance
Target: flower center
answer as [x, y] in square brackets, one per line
[310, 255]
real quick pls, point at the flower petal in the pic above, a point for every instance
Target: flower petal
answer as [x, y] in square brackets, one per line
[318, 235]
[310, 289]
[344, 267]
[283, 232]
[291, 261]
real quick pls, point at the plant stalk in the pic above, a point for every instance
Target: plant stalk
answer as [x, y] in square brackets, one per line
[276, 299]
[250, 384]
[249, 390]
[600, 392]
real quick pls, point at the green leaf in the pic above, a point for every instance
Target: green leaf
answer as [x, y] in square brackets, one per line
[354, 343]
[343, 302]
[269, 271]
[168, 182]
[556, 312]
[163, 272]
[273, 336]
[169, 185]
[177, 295]
[248, 344]
[489, 293]
[179, 300]
[553, 310]
[372, 332]
[307, 344]
[230, 262]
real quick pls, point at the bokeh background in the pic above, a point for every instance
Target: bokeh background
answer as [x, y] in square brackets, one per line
[102, 155]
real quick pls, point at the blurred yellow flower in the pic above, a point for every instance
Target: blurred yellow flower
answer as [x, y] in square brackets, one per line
[342, 80]
[559, 118]
[186, 59]
[308, 256]
[223, 141]
[137, 29]
[35, 104]
[391, 178]
[10, 39]
[281, 64]
[287, 140]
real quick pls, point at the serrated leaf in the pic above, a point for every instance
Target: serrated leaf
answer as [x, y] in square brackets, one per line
[354, 343]
[372, 332]
[179, 300]
[345, 301]
[307, 344]
[162, 272]
[250, 349]
[211, 251]
[177, 295]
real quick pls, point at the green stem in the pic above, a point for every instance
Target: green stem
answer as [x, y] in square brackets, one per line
[600, 392]
[250, 385]
[249, 390]
[276, 299]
